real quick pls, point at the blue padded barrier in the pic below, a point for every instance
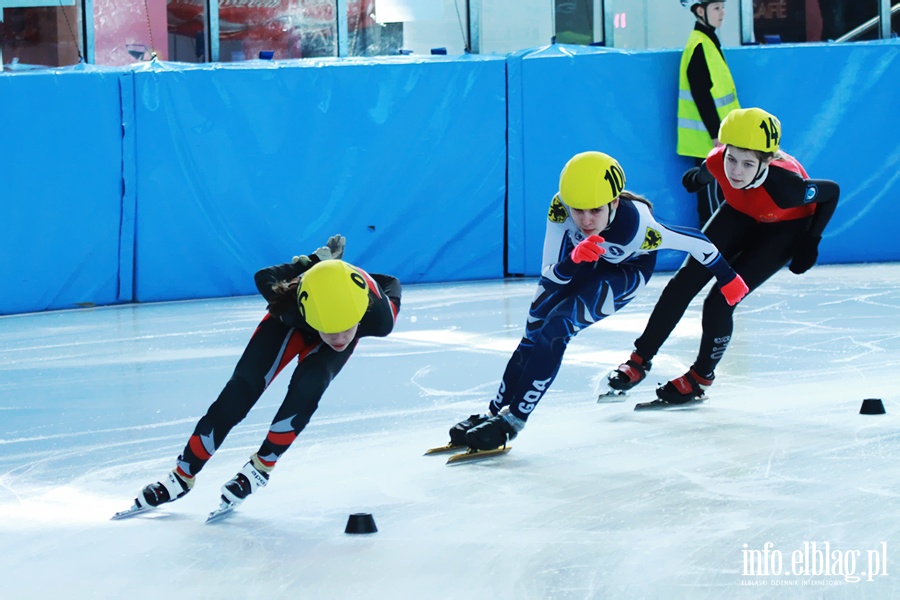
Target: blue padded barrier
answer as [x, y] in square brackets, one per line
[178, 181]
[515, 167]
[244, 165]
[61, 190]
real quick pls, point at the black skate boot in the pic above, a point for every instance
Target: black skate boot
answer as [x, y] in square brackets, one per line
[689, 387]
[173, 487]
[629, 374]
[458, 431]
[248, 480]
[493, 433]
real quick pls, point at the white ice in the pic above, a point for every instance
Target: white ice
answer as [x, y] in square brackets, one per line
[594, 501]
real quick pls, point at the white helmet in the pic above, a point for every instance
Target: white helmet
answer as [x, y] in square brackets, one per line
[690, 4]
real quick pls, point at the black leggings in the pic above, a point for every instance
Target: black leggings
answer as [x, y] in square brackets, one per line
[755, 250]
[272, 347]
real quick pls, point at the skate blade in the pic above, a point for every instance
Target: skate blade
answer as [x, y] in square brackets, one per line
[663, 405]
[473, 455]
[445, 449]
[131, 512]
[220, 513]
[612, 396]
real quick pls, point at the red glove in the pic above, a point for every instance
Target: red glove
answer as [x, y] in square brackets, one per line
[588, 250]
[734, 290]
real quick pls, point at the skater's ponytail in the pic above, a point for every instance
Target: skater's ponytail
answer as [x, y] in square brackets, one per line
[626, 195]
[285, 297]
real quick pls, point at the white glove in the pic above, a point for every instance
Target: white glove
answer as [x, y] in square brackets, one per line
[323, 252]
[334, 249]
[336, 245]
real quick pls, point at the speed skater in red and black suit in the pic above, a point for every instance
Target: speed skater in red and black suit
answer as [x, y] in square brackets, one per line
[774, 216]
[318, 309]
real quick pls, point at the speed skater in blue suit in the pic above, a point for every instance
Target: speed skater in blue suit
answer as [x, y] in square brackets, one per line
[599, 252]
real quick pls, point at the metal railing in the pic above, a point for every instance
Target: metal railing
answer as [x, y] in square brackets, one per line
[868, 25]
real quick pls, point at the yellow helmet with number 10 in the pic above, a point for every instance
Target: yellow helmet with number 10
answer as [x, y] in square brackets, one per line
[751, 129]
[332, 296]
[591, 180]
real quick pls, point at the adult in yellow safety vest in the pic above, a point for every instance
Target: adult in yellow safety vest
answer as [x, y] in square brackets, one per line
[706, 93]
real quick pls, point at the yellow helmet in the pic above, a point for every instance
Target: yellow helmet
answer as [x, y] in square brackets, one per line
[752, 129]
[590, 180]
[332, 296]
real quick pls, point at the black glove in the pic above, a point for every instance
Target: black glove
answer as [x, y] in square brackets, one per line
[806, 251]
[695, 179]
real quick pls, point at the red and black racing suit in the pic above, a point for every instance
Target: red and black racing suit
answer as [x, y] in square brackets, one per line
[281, 336]
[778, 218]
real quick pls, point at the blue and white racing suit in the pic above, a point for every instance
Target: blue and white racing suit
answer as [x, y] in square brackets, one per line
[572, 296]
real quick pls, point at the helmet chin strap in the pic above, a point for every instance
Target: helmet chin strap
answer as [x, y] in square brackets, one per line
[705, 18]
[761, 173]
[612, 215]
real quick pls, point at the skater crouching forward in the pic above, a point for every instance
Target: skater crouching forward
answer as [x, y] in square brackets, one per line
[319, 307]
[599, 251]
[774, 214]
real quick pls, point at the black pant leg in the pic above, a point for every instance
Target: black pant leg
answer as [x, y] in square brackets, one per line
[311, 378]
[253, 373]
[766, 252]
[727, 230]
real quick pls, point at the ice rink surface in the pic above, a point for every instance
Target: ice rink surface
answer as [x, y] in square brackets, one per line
[594, 501]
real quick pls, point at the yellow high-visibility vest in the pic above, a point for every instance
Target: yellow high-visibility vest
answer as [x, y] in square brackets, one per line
[693, 139]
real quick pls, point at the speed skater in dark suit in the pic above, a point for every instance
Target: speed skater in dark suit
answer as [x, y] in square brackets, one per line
[318, 309]
[774, 215]
[599, 251]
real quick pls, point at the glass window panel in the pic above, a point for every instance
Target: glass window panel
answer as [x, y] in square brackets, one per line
[443, 25]
[125, 32]
[669, 24]
[35, 35]
[575, 21]
[512, 25]
[368, 37]
[629, 23]
[505, 25]
[895, 21]
[287, 28]
[186, 24]
[792, 21]
[842, 16]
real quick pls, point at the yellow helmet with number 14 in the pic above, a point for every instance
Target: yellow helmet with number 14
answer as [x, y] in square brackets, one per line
[751, 129]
